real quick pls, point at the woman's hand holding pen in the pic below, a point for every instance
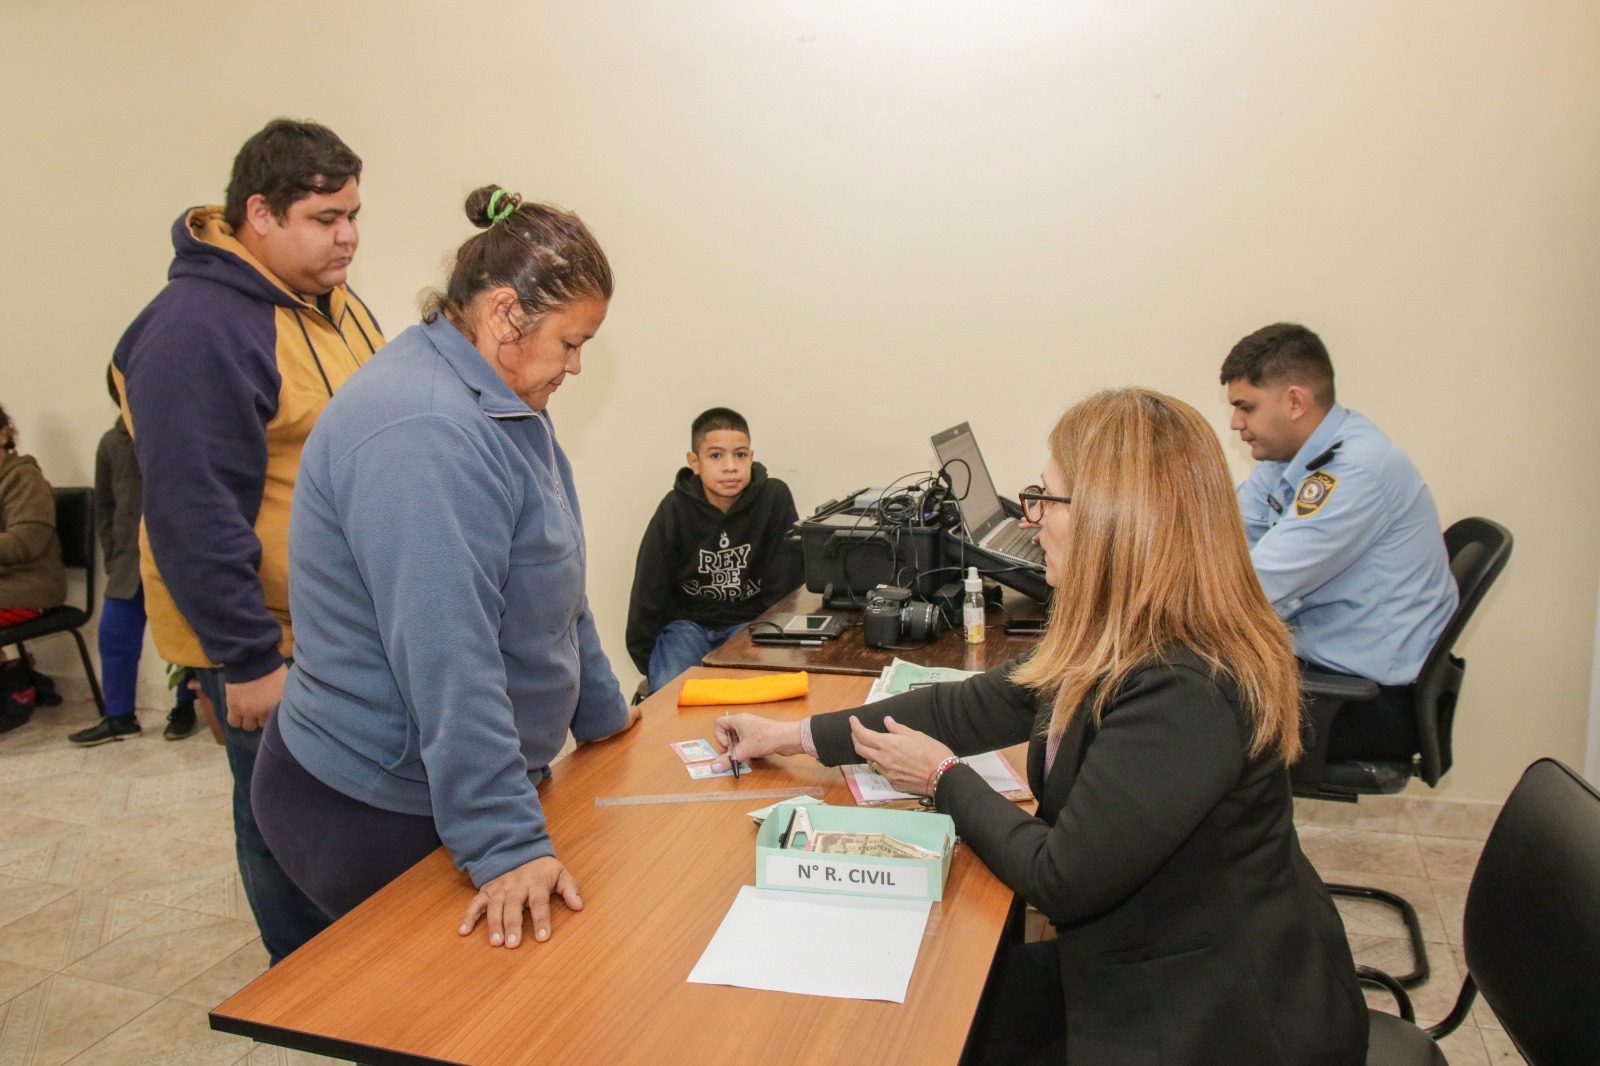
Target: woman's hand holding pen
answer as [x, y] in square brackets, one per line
[754, 737]
[903, 755]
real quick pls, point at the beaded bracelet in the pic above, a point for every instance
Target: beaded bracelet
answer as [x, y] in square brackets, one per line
[938, 772]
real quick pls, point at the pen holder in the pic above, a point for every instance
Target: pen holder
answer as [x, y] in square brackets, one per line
[858, 875]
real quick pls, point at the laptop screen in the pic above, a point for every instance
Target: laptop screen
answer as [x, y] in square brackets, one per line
[958, 453]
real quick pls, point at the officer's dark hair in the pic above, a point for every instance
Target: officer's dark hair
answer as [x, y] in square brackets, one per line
[5, 423]
[1282, 354]
[111, 384]
[545, 255]
[712, 420]
[286, 162]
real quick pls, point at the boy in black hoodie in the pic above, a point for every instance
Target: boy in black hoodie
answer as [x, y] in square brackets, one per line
[711, 559]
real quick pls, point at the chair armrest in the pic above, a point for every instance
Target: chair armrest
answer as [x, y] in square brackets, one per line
[1324, 693]
[1346, 688]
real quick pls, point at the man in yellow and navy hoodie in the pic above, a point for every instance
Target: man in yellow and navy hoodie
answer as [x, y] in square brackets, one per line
[223, 375]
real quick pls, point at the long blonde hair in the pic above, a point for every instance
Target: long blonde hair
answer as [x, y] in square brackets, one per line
[1156, 557]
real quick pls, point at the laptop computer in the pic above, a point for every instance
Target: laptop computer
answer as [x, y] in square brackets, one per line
[993, 534]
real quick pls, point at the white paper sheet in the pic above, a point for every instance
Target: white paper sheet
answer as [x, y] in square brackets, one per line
[848, 947]
[991, 766]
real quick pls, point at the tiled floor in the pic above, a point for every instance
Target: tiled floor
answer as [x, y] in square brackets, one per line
[122, 920]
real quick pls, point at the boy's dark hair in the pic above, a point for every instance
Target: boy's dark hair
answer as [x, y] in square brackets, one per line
[286, 162]
[1283, 354]
[711, 421]
[547, 256]
[5, 422]
[111, 384]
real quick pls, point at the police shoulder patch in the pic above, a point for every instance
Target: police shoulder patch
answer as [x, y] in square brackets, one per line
[1314, 492]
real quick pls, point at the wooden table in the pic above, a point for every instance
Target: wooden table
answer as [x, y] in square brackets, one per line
[849, 654]
[392, 982]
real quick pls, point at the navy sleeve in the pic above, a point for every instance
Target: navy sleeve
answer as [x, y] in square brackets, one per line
[202, 383]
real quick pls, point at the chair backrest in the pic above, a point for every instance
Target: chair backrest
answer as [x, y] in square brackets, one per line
[1478, 550]
[75, 529]
[1532, 923]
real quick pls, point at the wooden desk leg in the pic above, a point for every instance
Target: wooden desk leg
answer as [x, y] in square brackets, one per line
[211, 716]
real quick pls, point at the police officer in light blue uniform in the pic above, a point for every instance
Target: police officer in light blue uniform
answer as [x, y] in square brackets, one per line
[1343, 533]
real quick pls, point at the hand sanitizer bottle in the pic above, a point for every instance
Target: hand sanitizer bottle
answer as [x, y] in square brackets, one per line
[972, 607]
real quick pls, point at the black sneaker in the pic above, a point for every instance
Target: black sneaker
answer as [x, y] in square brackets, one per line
[106, 730]
[180, 723]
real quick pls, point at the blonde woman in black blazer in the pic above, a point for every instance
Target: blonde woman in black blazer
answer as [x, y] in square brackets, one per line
[1161, 710]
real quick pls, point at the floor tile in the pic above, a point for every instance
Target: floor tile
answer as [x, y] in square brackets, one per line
[61, 1016]
[127, 861]
[1502, 1052]
[1463, 819]
[166, 952]
[219, 982]
[1448, 859]
[67, 929]
[172, 1033]
[20, 898]
[1465, 1047]
[16, 979]
[1451, 897]
[1378, 814]
[1362, 851]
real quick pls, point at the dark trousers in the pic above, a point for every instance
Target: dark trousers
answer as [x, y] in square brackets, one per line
[286, 918]
[1023, 1018]
[337, 849]
[1383, 730]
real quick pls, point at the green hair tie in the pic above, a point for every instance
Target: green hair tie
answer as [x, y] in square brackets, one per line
[511, 205]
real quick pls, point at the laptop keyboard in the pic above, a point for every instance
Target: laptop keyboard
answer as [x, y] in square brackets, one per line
[1018, 543]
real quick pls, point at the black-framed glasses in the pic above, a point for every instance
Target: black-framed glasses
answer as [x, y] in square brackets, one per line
[1033, 500]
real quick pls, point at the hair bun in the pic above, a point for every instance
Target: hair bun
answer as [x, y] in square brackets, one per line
[478, 202]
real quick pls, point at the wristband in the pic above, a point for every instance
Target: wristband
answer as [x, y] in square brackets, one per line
[938, 772]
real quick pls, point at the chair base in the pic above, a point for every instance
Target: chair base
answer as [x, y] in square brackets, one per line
[1408, 915]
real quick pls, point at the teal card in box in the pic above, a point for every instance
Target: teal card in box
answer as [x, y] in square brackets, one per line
[862, 875]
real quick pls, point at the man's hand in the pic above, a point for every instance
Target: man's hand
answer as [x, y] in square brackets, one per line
[250, 703]
[529, 887]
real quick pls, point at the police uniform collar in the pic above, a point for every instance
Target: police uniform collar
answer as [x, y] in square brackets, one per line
[1321, 439]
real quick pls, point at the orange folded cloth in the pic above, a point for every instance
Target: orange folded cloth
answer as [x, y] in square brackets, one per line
[718, 692]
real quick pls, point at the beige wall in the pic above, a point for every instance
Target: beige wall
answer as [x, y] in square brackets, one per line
[860, 221]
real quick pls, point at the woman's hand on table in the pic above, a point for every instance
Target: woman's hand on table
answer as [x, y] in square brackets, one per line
[755, 736]
[530, 886]
[903, 755]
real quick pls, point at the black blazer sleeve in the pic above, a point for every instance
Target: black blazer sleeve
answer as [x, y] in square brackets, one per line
[1167, 750]
[979, 714]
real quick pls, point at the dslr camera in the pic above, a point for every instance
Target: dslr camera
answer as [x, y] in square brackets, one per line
[892, 617]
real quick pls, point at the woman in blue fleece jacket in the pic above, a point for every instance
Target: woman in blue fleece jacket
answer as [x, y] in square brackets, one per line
[444, 643]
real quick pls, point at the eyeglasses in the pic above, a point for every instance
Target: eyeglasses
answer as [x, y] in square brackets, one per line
[1033, 500]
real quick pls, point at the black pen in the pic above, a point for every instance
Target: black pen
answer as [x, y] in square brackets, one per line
[733, 742]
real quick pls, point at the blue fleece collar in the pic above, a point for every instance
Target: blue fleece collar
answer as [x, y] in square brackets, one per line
[495, 397]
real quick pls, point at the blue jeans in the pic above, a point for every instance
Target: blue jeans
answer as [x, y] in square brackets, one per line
[286, 918]
[121, 644]
[682, 644]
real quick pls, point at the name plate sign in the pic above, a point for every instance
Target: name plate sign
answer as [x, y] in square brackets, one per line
[810, 870]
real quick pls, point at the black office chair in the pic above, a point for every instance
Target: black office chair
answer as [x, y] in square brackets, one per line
[1478, 551]
[1531, 932]
[75, 529]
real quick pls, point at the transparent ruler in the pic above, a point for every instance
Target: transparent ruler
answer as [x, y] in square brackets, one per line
[745, 796]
